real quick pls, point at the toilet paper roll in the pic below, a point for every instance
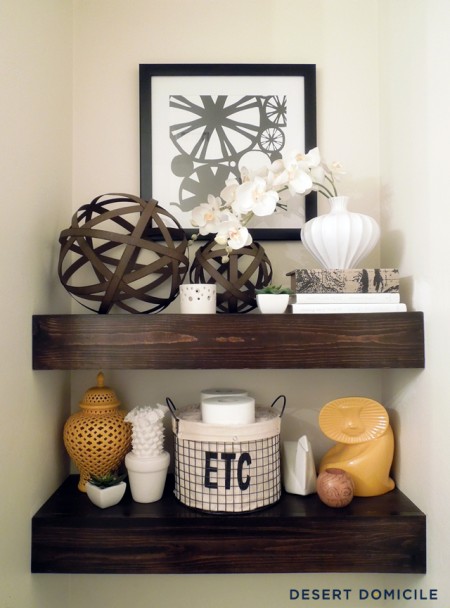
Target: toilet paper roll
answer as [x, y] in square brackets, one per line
[228, 410]
[213, 393]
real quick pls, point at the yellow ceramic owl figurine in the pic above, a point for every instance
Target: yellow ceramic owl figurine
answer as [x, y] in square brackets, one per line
[365, 447]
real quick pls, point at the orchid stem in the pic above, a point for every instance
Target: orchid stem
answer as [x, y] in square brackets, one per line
[325, 191]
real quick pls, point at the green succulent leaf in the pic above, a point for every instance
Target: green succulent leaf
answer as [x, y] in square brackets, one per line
[106, 481]
[275, 289]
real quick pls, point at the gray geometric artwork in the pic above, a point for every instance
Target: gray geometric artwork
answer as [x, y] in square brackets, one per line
[211, 134]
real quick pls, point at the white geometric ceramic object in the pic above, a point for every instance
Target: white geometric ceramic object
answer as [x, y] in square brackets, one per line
[299, 470]
[340, 238]
[272, 303]
[105, 497]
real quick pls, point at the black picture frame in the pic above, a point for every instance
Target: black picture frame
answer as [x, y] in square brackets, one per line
[160, 82]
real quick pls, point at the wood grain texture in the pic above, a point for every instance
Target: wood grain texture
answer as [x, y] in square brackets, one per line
[228, 341]
[298, 534]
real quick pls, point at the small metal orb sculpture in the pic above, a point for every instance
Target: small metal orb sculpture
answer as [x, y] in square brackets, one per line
[236, 278]
[123, 251]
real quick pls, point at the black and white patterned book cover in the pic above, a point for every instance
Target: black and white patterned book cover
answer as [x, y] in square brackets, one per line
[358, 280]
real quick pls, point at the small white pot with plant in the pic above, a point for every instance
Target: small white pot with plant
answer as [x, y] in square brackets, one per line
[147, 463]
[273, 299]
[106, 490]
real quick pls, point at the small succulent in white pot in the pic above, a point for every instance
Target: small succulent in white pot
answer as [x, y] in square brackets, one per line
[106, 490]
[273, 299]
[147, 463]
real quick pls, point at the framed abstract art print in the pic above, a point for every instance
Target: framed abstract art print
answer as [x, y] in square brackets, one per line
[199, 124]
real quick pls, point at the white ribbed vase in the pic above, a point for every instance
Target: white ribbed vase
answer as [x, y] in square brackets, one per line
[340, 238]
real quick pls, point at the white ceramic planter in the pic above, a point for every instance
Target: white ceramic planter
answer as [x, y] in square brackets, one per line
[272, 303]
[147, 476]
[106, 497]
[198, 299]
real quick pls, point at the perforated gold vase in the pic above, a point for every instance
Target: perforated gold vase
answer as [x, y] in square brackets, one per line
[97, 438]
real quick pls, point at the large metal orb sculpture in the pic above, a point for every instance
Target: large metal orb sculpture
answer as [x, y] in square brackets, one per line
[237, 279]
[123, 251]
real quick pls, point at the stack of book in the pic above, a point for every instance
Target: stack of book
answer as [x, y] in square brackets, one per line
[341, 291]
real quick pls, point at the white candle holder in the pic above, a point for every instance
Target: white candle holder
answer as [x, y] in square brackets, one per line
[198, 298]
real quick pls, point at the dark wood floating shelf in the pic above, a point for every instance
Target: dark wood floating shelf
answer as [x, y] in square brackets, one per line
[298, 534]
[227, 341]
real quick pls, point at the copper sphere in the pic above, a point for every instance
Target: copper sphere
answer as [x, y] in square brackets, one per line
[335, 487]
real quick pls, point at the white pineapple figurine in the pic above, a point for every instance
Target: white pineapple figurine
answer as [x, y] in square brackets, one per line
[147, 437]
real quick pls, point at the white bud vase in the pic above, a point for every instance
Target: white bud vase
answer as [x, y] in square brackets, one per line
[340, 238]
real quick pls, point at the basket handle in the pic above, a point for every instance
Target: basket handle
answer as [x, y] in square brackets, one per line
[172, 408]
[283, 407]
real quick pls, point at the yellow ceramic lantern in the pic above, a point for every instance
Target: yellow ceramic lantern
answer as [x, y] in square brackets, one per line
[97, 438]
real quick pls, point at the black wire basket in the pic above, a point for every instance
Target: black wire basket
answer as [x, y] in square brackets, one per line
[227, 468]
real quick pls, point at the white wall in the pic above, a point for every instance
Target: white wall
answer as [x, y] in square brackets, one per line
[36, 167]
[360, 123]
[415, 131]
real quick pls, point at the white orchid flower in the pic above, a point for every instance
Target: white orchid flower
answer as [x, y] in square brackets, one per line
[325, 181]
[228, 194]
[221, 238]
[232, 234]
[239, 237]
[300, 183]
[312, 158]
[253, 197]
[277, 166]
[336, 169]
[228, 224]
[206, 216]
[295, 174]
[278, 176]
[245, 175]
[315, 165]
